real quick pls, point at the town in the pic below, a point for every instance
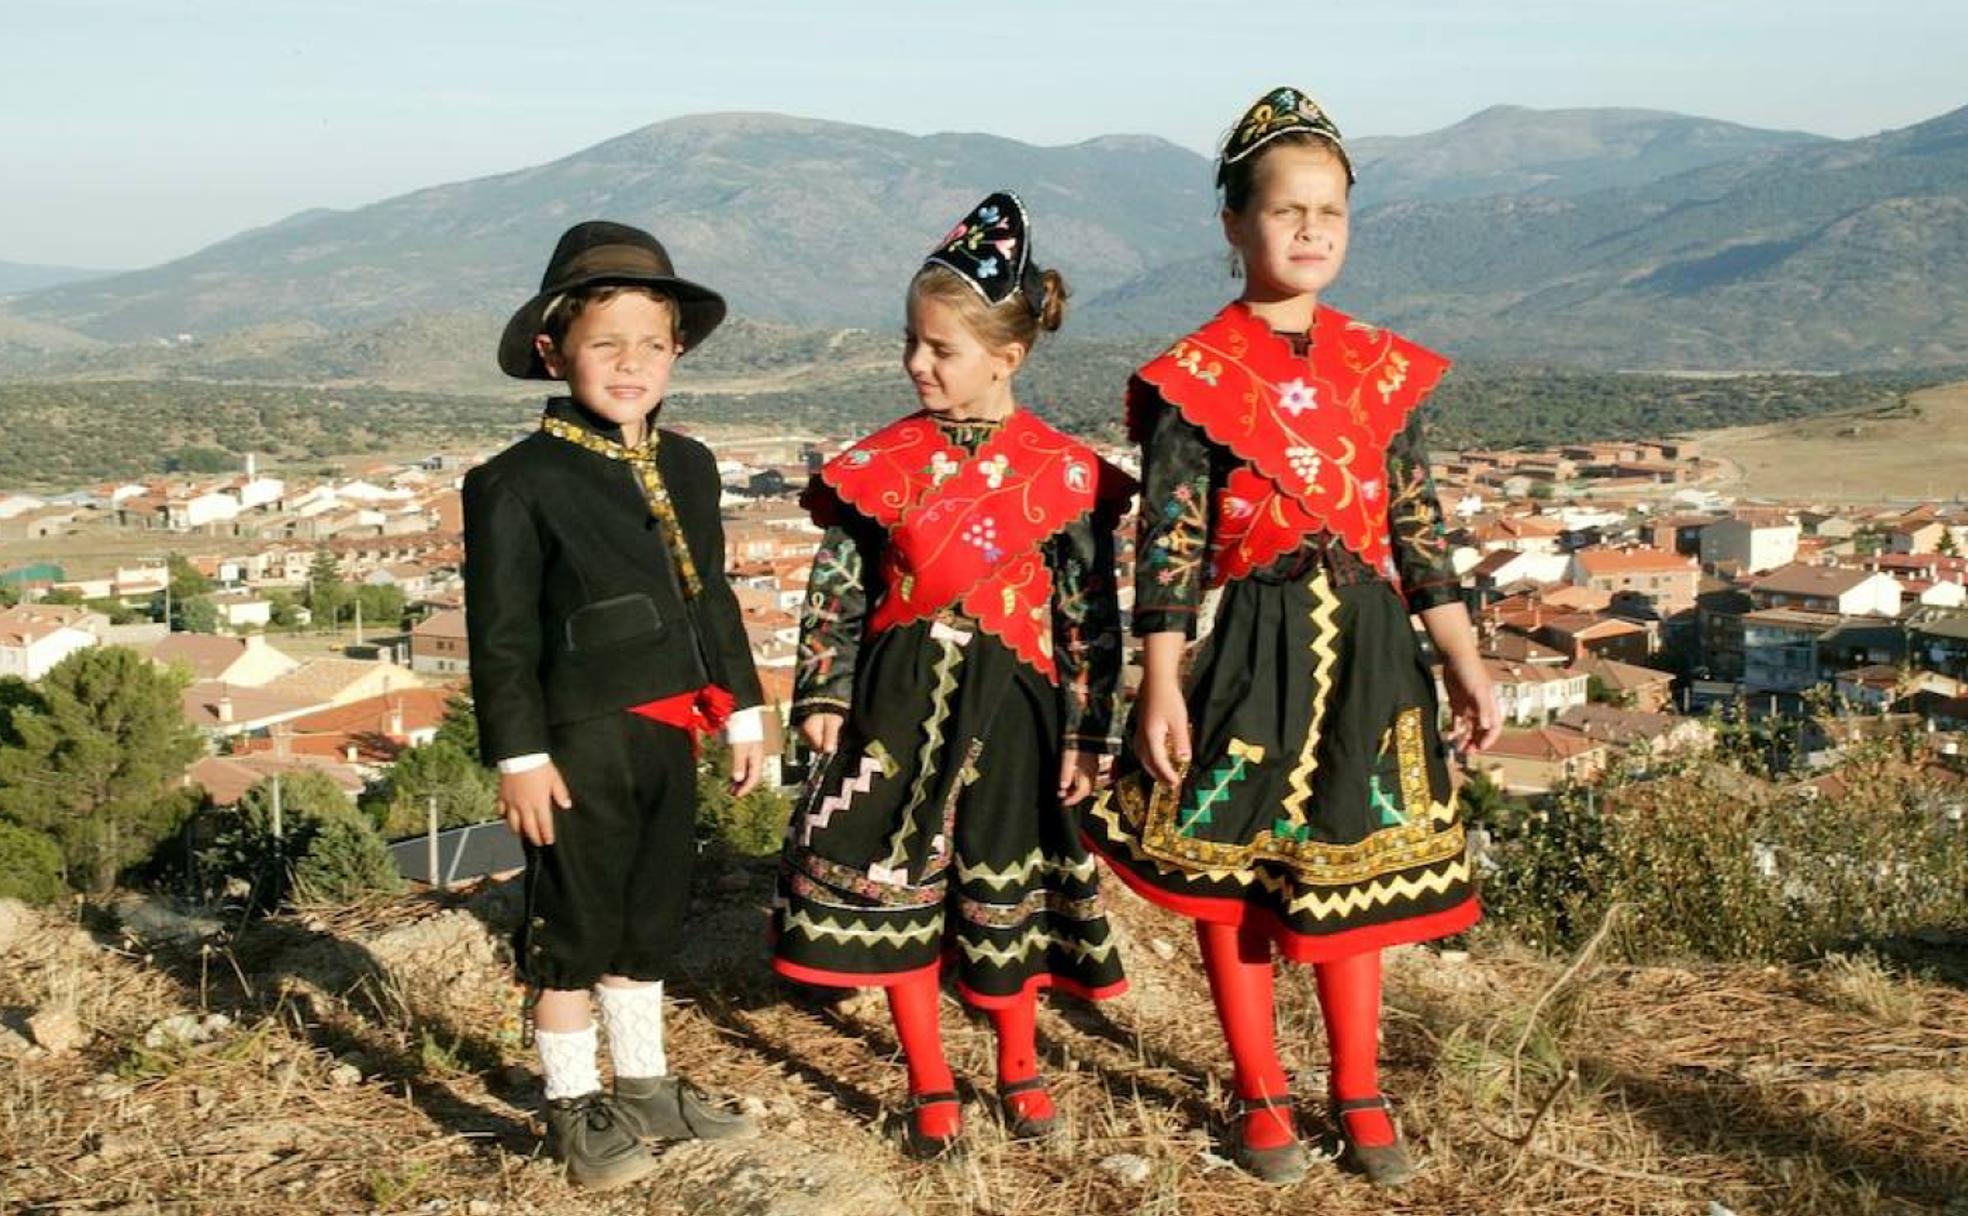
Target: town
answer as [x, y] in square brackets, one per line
[1624, 608]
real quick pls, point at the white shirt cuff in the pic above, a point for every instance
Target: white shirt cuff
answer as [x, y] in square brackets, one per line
[523, 764]
[745, 726]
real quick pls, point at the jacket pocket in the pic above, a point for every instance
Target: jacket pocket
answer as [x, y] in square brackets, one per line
[610, 622]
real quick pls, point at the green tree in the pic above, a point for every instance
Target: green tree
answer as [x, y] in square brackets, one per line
[464, 791]
[94, 763]
[68, 596]
[30, 865]
[327, 594]
[752, 825]
[9, 595]
[460, 725]
[186, 580]
[382, 607]
[194, 614]
[324, 848]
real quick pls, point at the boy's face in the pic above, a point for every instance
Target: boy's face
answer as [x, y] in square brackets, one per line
[1292, 233]
[616, 356]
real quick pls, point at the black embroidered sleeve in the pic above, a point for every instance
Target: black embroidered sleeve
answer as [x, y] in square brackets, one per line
[1086, 631]
[1172, 547]
[1414, 517]
[830, 624]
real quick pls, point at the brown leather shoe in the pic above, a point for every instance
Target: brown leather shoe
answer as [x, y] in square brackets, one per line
[671, 1108]
[586, 1137]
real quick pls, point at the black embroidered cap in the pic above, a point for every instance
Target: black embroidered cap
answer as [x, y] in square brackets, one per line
[1278, 111]
[990, 250]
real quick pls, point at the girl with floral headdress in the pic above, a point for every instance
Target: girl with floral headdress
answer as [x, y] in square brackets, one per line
[960, 651]
[1291, 793]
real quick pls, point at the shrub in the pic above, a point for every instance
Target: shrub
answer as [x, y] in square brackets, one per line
[30, 866]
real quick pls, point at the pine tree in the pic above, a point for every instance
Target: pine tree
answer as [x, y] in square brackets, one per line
[94, 763]
[327, 594]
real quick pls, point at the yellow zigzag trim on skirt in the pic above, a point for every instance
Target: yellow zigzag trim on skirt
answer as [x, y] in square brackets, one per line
[1019, 871]
[939, 712]
[830, 929]
[1324, 605]
[1034, 940]
[1371, 895]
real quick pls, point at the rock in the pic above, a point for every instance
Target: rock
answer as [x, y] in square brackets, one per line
[344, 1076]
[754, 1105]
[441, 943]
[1162, 949]
[16, 918]
[1131, 1168]
[1454, 956]
[155, 921]
[186, 1030]
[480, 1207]
[57, 1030]
[777, 1175]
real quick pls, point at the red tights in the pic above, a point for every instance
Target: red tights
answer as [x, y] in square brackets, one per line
[1238, 964]
[914, 1004]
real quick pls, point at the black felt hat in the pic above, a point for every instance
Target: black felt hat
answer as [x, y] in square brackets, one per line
[592, 254]
[1279, 111]
[990, 250]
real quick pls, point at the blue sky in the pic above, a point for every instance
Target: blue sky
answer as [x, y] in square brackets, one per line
[140, 130]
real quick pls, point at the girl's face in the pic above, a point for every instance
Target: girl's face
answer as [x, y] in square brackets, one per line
[1291, 234]
[955, 374]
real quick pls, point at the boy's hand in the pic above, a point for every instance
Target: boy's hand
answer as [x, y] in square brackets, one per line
[528, 800]
[1161, 732]
[1078, 773]
[747, 767]
[822, 732]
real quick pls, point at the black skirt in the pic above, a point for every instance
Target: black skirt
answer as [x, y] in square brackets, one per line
[1318, 802]
[936, 828]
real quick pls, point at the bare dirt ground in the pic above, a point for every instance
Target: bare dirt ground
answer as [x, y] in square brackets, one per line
[1919, 451]
[371, 1061]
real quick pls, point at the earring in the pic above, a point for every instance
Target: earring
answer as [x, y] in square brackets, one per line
[1236, 265]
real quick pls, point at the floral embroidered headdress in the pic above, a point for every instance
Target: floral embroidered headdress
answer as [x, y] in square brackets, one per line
[989, 250]
[1279, 111]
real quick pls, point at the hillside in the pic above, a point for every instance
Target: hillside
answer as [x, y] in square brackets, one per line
[1607, 238]
[368, 1059]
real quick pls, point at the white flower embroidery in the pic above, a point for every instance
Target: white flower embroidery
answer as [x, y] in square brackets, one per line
[1305, 462]
[995, 470]
[1370, 489]
[942, 468]
[1297, 397]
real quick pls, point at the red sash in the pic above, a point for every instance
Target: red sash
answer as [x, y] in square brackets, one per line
[1312, 432]
[966, 530]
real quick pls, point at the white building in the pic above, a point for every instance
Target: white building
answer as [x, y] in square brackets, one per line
[1752, 544]
[35, 637]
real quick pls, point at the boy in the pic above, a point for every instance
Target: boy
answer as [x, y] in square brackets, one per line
[604, 641]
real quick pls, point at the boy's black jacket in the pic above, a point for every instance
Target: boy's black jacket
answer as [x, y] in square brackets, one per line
[572, 601]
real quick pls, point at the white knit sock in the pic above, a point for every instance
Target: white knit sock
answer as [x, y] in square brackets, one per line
[634, 1020]
[569, 1060]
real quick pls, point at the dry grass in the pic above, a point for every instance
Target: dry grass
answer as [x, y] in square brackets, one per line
[1886, 454]
[1808, 1092]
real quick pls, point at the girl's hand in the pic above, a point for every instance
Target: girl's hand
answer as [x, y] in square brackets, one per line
[1161, 732]
[822, 732]
[747, 767]
[1078, 773]
[1472, 703]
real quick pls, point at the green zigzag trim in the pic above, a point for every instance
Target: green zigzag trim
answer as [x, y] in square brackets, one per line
[1242, 755]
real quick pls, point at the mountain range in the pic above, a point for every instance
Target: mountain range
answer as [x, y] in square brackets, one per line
[1610, 238]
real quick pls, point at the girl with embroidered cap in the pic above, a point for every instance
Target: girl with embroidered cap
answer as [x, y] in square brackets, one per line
[1290, 792]
[959, 655]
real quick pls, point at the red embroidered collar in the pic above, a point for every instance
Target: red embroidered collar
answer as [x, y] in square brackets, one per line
[1312, 431]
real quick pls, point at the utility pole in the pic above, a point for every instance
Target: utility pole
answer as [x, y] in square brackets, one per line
[430, 818]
